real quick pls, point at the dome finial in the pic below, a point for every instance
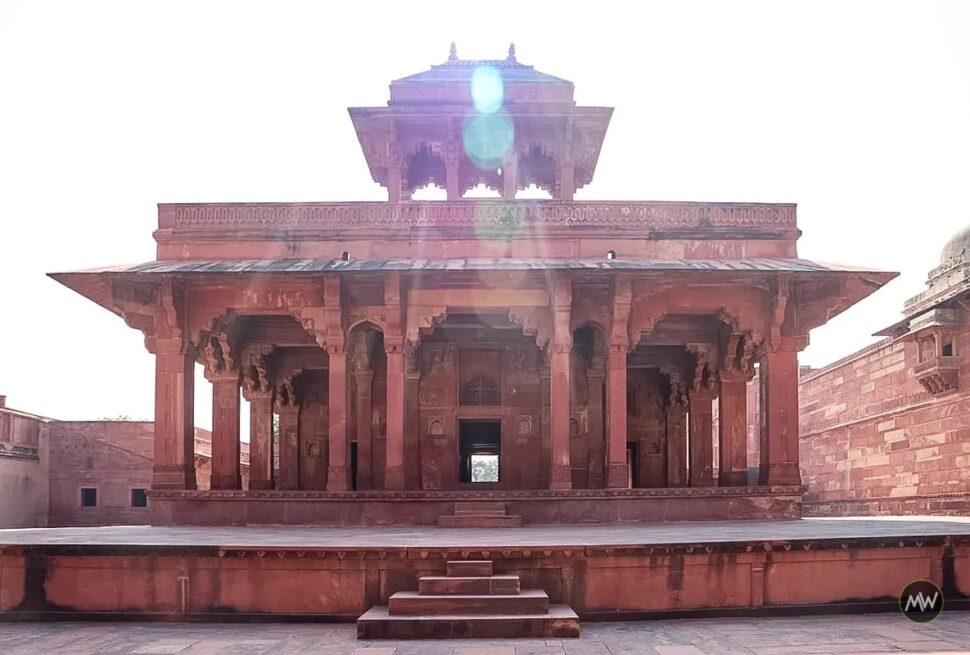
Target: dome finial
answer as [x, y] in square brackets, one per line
[511, 52]
[453, 53]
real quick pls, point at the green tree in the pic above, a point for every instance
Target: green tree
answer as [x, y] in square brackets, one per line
[485, 468]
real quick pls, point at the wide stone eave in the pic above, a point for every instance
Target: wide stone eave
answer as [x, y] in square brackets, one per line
[835, 286]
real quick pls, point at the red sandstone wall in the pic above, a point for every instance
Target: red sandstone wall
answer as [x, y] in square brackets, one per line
[23, 470]
[874, 441]
[112, 456]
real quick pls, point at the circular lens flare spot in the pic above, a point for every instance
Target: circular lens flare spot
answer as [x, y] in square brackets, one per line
[487, 89]
[488, 139]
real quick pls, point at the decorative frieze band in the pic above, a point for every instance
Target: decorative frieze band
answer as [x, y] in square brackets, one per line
[478, 215]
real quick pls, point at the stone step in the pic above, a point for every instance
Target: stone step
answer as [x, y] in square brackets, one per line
[560, 622]
[441, 585]
[528, 601]
[491, 507]
[479, 521]
[470, 568]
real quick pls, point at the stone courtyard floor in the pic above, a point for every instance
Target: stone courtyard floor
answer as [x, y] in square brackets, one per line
[873, 633]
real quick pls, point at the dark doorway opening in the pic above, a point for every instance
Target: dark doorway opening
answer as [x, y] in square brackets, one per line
[479, 451]
[632, 464]
[353, 465]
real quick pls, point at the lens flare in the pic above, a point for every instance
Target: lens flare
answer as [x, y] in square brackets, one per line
[487, 89]
[487, 139]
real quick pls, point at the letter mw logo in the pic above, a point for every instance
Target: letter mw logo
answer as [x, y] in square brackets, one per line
[921, 601]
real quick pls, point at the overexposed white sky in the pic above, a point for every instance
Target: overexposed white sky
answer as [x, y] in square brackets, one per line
[858, 111]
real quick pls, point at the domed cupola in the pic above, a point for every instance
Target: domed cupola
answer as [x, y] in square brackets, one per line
[957, 249]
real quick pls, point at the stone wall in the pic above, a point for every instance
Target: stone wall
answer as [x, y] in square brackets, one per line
[23, 469]
[113, 457]
[874, 441]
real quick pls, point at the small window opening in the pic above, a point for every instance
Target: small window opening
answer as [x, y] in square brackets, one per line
[947, 350]
[89, 497]
[611, 254]
[139, 498]
[345, 256]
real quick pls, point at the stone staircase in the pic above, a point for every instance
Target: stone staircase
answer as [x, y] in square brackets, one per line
[480, 514]
[470, 602]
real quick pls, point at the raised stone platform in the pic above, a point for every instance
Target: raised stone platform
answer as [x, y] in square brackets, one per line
[430, 508]
[601, 571]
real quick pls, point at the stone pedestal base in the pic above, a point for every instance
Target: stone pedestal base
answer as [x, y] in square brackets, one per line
[618, 476]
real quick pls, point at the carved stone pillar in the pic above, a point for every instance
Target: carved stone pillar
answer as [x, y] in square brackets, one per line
[596, 459]
[510, 175]
[225, 433]
[617, 469]
[560, 474]
[779, 414]
[261, 467]
[677, 439]
[288, 407]
[452, 159]
[394, 471]
[733, 428]
[364, 379]
[289, 447]
[338, 471]
[363, 384]
[545, 380]
[412, 438]
[174, 445]
[394, 183]
[394, 348]
[222, 370]
[701, 438]
[258, 390]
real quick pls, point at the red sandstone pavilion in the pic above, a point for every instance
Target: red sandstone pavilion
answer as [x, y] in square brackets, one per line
[571, 350]
[478, 363]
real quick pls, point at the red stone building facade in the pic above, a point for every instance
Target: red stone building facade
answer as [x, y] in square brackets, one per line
[886, 430]
[24, 487]
[560, 358]
[78, 473]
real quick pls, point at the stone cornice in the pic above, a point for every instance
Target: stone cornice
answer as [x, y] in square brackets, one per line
[288, 220]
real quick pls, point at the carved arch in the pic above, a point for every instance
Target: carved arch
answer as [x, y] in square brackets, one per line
[746, 312]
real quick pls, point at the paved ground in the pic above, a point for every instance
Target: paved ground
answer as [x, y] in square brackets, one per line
[877, 633]
[545, 535]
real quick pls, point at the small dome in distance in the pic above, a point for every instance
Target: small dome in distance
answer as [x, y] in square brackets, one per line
[957, 248]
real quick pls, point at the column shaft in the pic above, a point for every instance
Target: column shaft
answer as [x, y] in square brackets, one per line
[174, 445]
[365, 478]
[702, 438]
[261, 465]
[338, 472]
[596, 460]
[677, 445]
[289, 447]
[561, 475]
[225, 434]
[733, 428]
[394, 462]
[617, 471]
[779, 407]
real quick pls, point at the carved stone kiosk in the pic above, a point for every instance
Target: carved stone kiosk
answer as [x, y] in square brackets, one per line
[552, 360]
